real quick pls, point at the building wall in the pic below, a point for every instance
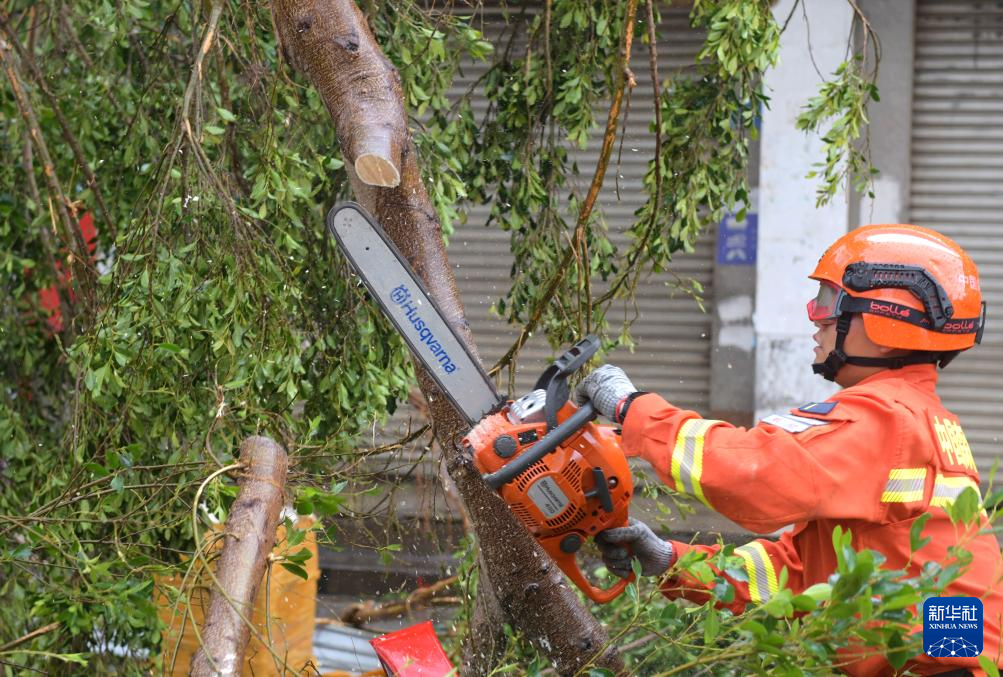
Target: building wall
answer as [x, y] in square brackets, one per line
[793, 232]
[891, 117]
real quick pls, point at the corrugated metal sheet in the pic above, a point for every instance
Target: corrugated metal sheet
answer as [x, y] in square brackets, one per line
[957, 184]
[672, 333]
[342, 648]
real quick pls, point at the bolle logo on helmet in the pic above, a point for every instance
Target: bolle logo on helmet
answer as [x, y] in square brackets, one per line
[960, 327]
[889, 309]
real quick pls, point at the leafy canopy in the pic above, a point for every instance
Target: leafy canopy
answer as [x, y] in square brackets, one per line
[211, 305]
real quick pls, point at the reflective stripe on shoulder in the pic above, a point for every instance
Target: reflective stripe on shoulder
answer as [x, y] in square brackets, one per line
[687, 457]
[947, 489]
[763, 582]
[904, 485]
[792, 423]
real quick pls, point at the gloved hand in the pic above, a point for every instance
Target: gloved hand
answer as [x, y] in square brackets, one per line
[636, 541]
[605, 388]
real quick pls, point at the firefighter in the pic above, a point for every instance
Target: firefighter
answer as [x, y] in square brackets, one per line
[894, 302]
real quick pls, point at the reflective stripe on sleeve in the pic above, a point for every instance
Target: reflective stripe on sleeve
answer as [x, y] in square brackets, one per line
[904, 485]
[763, 582]
[687, 457]
[947, 489]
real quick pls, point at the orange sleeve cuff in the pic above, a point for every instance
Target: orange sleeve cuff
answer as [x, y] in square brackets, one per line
[637, 438]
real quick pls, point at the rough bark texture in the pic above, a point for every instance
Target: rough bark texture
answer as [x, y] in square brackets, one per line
[249, 536]
[330, 43]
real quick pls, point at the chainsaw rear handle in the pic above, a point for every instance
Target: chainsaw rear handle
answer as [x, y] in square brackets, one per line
[567, 559]
[550, 441]
[597, 595]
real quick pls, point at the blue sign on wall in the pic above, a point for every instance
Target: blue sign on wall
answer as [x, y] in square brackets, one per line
[952, 627]
[736, 240]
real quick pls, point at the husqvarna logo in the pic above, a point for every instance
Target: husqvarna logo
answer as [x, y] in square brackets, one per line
[401, 295]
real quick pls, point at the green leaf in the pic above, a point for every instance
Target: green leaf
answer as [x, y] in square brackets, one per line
[804, 603]
[96, 468]
[757, 629]
[711, 625]
[966, 507]
[296, 570]
[300, 556]
[916, 530]
[820, 592]
[989, 666]
[295, 536]
[994, 499]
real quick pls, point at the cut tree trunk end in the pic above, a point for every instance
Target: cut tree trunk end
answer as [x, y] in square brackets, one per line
[377, 171]
[249, 535]
[329, 42]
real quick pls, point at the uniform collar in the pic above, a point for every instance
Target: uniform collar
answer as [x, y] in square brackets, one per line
[921, 375]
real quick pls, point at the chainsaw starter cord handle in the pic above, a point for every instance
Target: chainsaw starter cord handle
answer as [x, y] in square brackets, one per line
[550, 441]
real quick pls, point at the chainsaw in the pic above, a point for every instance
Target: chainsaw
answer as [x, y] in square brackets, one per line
[563, 476]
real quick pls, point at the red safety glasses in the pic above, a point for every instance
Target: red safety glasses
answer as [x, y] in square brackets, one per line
[825, 305]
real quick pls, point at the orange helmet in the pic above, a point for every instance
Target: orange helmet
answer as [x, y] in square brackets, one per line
[915, 288]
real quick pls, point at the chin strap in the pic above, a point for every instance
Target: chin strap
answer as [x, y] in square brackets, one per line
[837, 358]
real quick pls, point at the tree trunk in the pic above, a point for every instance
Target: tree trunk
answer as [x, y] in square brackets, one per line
[330, 43]
[249, 535]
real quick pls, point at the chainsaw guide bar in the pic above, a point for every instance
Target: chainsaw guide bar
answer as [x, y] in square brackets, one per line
[419, 321]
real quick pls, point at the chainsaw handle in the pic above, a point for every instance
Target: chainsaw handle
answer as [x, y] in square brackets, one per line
[550, 441]
[597, 595]
[554, 379]
[568, 562]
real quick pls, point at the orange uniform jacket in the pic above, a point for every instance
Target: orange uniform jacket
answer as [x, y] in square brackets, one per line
[884, 454]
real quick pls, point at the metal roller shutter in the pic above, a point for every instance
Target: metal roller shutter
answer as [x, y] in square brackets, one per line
[957, 185]
[672, 333]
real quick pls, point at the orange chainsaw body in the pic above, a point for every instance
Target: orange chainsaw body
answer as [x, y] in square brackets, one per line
[571, 494]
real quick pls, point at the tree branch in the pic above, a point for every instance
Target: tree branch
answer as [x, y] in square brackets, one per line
[72, 236]
[364, 612]
[78, 153]
[249, 536]
[37, 632]
[624, 77]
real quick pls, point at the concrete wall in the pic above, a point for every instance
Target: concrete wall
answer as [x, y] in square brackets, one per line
[793, 233]
[891, 117]
[733, 346]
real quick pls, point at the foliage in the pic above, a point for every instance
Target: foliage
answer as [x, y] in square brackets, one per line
[844, 101]
[844, 98]
[864, 609]
[221, 309]
[542, 102]
[214, 307]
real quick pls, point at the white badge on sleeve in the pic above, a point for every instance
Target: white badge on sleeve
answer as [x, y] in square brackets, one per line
[792, 423]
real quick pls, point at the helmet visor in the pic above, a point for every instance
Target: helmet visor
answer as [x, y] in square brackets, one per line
[825, 305]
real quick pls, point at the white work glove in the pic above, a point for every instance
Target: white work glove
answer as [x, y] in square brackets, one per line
[605, 388]
[636, 541]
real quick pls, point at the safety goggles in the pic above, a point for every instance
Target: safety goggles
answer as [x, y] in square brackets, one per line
[825, 305]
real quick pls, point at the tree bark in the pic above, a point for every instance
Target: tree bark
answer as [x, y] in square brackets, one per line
[249, 535]
[329, 41]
